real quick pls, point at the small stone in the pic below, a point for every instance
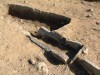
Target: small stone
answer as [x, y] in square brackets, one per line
[85, 51]
[90, 10]
[97, 23]
[42, 68]
[89, 16]
[23, 65]
[31, 61]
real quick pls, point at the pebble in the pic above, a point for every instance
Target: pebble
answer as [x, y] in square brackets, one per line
[31, 61]
[97, 23]
[90, 10]
[42, 68]
[23, 65]
[40, 65]
[89, 16]
[86, 51]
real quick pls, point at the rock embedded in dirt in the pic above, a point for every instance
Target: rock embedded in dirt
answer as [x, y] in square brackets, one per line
[85, 51]
[42, 68]
[39, 65]
[89, 16]
[97, 23]
[32, 61]
[90, 10]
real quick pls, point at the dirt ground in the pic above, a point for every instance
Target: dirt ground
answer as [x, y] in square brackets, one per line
[16, 49]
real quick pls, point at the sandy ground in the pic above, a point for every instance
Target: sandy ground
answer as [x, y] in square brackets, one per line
[16, 49]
